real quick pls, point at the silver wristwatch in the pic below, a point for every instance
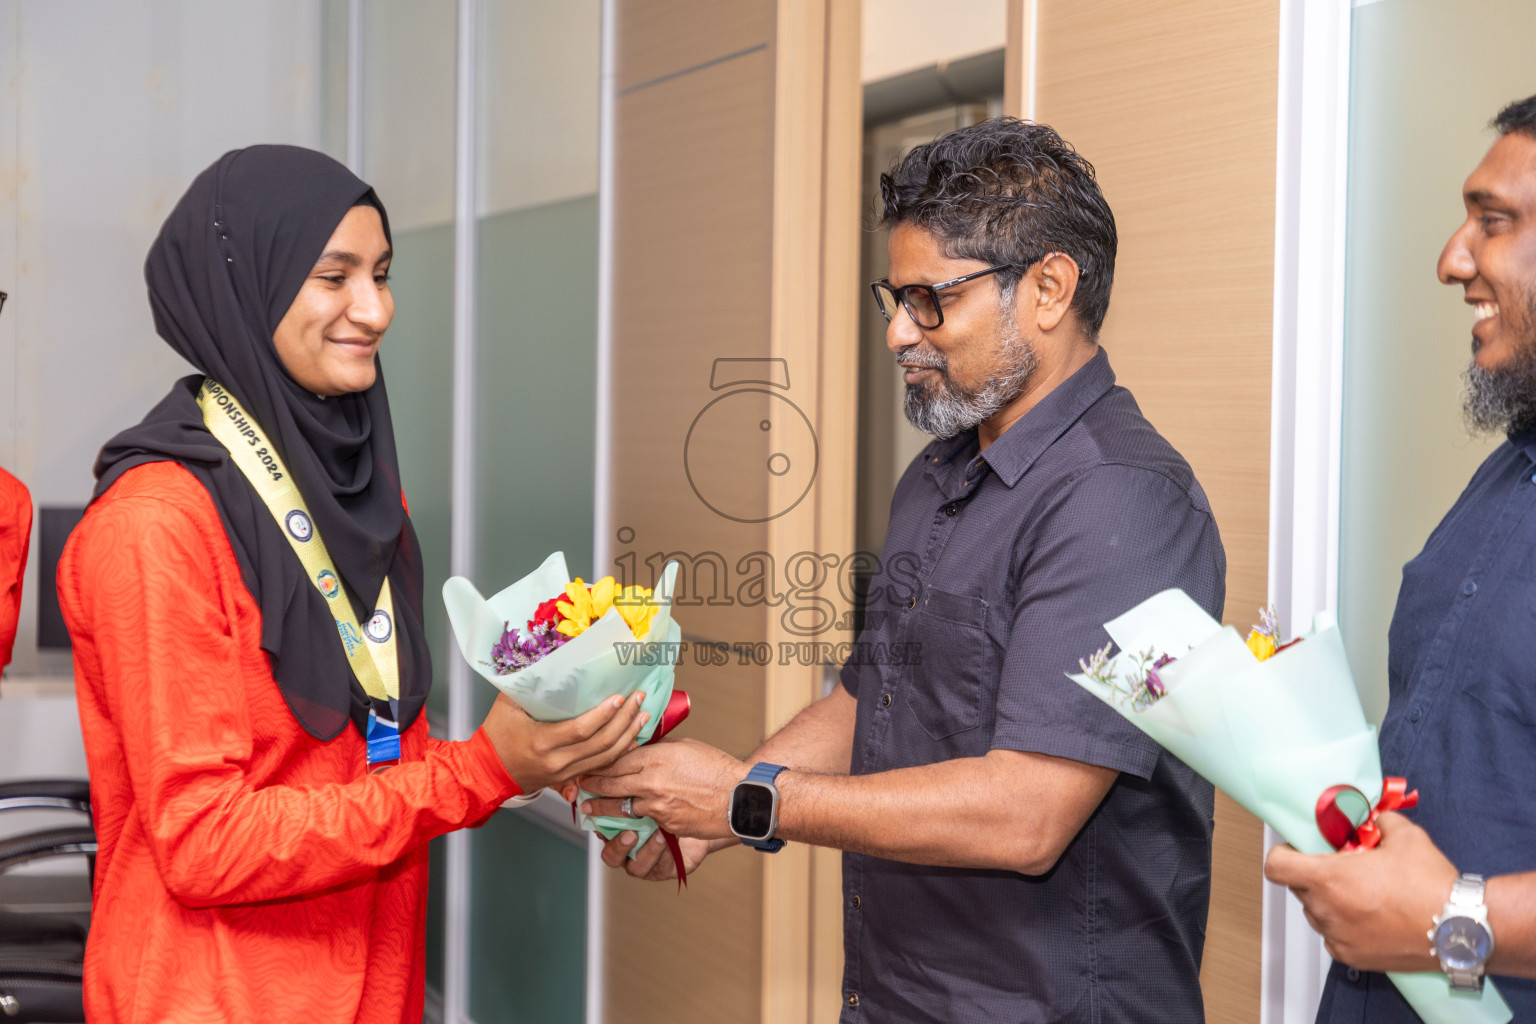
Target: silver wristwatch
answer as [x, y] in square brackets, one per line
[1461, 938]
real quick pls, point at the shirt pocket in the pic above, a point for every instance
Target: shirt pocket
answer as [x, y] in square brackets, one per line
[1504, 700]
[957, 669]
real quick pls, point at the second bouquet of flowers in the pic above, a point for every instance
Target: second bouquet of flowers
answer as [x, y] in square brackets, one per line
[559, 647]
[1279, 727]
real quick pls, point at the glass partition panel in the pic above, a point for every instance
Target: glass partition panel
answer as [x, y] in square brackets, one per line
[407, 110]
[1414, 136]
[535, 434]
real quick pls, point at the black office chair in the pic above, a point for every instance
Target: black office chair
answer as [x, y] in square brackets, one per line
[42, 955]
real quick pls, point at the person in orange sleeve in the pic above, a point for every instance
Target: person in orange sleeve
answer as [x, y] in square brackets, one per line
[256, 859]
[15, 535]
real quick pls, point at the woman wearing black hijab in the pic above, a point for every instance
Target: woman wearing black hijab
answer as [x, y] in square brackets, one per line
[255, 858]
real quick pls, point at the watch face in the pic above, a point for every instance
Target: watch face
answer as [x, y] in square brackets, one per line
[1462, 942]
[752, 810]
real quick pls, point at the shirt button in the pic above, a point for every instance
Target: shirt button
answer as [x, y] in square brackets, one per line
[952, 510]
[1352, 974]
[853, 999]
[885, 700]
[857, 902]
[1468, 589]
[911, 602]
[1415, 714]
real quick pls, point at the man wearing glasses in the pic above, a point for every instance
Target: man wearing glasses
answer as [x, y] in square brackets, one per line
[1016, 851]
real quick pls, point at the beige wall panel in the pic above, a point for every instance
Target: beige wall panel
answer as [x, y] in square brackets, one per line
[799, 143]
[663, 37]
[727, 705]
[689, 957]
[814, 323]
[1175, 105]
[1232, 973]
[841, 291]
[736, 237]
[691, 276]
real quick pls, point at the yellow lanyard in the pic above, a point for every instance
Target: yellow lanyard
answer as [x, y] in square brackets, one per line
[375, 663]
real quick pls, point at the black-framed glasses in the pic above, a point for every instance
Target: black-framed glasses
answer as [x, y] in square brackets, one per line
[921, 301]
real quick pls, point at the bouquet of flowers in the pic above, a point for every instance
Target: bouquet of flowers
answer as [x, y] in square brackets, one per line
[1279, 727]
[560, 647]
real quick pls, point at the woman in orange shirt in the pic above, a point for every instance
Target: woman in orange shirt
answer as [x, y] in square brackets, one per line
[255, 860]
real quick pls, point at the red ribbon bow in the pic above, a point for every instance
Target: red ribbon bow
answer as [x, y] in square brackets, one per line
[678, 706]
[1340, 828]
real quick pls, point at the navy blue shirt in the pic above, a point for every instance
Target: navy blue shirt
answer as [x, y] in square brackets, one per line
[1461, 717]
[998, 572]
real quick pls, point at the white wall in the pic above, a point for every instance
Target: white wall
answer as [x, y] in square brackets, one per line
[107, 112]
[903, 35]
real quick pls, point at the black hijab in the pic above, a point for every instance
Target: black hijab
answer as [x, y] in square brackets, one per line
[228, 263]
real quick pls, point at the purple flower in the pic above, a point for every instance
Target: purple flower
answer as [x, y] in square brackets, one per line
[517, 649]
[1155, 685]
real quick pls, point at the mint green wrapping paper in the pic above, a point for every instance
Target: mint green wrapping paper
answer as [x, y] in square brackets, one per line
[657, 686]
[1273, 735]
[601, 662]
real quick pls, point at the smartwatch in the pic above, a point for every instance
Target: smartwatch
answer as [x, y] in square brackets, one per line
[755, 808]
[1461, 937]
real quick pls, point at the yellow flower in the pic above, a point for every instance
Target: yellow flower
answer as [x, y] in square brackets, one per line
[1262, 645]
[602, 597]
[576, 608]
[635, 604]
[584, 605]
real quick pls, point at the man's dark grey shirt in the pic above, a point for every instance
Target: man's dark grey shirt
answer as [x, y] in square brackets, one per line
[1001, 568]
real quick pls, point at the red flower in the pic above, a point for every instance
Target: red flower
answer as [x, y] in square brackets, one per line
[548, 614]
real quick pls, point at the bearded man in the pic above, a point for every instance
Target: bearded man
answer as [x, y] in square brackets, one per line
[1461, 715]
[1016, 851]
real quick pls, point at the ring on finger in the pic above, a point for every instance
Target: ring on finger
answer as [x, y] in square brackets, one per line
[627, 807]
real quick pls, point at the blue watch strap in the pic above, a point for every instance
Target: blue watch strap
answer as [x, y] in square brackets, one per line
[765, 773]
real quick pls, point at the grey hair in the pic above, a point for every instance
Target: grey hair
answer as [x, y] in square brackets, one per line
[1011, 192]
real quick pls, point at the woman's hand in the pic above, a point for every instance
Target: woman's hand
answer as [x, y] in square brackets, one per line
[540, 754]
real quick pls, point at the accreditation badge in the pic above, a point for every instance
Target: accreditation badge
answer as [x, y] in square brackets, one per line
[383, 743]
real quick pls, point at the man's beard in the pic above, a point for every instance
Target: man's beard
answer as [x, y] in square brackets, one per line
[945, 409]
[1503, 400]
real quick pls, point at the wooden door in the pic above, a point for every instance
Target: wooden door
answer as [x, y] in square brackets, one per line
[734, 387]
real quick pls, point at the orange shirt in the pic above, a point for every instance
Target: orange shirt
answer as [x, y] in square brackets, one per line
[15, 534]
[247, 871]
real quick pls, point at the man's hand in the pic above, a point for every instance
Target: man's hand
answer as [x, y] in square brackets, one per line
[684, 785]
[654, 861]
[539, 754]
[1372, 907]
